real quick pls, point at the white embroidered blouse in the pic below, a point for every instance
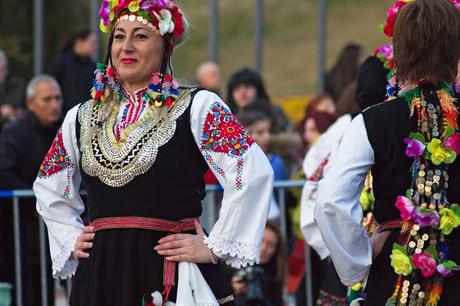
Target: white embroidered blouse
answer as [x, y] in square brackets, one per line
[237, 235]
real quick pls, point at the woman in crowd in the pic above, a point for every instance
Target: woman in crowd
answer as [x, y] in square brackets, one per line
[73, 68]
[142, 146]
[410, 144]
[345, 70]
[272, 273]
[245, 88]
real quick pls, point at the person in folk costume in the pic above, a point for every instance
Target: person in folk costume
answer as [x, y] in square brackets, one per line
[410, 144]
[141, 147]
[371, 89]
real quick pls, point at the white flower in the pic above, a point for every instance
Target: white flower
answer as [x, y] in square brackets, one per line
[166, 23]
[157, 298]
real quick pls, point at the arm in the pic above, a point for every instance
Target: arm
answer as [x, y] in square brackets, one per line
[245, 174]
[338, 211]
[9, 157]
[58, 198]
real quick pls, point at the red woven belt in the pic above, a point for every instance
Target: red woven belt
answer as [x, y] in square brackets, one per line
[153, 224]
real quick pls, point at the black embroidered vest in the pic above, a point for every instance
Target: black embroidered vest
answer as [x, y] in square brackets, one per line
[172, 188]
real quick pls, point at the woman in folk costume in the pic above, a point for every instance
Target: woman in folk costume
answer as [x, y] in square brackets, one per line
[141, 147]
[410, 144]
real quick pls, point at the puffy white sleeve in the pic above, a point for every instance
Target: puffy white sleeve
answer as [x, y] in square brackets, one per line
[244, 172]
[338, 212]
[58, 199]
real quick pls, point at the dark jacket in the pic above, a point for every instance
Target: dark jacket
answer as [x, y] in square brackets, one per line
[23, 145]
[75, 75]
[12, 91]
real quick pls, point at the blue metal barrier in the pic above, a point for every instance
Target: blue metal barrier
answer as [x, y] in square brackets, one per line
[208, 218]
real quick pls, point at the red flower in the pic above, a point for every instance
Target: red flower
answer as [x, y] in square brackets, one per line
[169, 101]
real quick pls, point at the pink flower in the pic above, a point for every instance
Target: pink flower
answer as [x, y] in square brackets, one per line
[453, 142]
[104, 12]
[415, 148]
[405, 206]
[425, 263]
[156, 79]
[425, 217]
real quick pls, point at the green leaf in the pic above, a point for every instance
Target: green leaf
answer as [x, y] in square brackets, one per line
[400, 248]
[433, 251]
[449, 132]
[449, 264]
[418, 136]
[391, 302]
[456, 209]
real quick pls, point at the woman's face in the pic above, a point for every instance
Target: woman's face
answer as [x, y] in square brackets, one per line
[244, 94]
[137, 52]
[269, 245]
[260, 132]
[326, 105]
[310, 131]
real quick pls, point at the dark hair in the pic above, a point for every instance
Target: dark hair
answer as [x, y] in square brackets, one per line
[427, 41]
[279, 258]
[70, 42]
[347, 102]
[371, 83]
[251, 117]
[249, 77]
[344, 71]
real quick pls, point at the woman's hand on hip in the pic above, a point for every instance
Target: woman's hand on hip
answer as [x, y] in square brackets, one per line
[185, 247]
[84, 242]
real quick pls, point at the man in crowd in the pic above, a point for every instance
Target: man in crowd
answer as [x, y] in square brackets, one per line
[208, 76]
[11, 92]
[23, 145]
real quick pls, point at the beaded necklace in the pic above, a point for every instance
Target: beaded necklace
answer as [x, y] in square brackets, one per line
[163, 91]
[421, 259]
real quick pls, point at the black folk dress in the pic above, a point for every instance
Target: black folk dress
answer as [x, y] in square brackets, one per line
[158, 173]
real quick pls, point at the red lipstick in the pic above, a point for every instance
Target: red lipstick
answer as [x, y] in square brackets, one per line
[128, 61]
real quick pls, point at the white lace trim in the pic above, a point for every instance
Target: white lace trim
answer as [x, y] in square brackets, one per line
[65, 266]
[235, 253]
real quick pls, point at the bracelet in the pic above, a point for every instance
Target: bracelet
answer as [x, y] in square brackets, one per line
[213, 259]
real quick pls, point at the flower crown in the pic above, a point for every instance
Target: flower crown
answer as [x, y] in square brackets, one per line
[163, 16]
[392, 13]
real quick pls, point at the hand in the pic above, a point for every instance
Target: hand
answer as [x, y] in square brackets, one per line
[84, 243]
[185, 247]
[239, 286]
[378, 241]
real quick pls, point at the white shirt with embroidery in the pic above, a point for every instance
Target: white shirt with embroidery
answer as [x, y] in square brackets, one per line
[239, 164]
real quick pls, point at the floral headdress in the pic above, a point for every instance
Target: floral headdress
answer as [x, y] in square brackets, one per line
[392, 13]
[162, 15]
[385, 55]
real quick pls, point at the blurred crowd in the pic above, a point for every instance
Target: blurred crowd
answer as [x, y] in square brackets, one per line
[31, 113]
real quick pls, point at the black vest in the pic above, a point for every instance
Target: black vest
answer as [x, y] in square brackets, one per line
[171, 189]
[387, 124]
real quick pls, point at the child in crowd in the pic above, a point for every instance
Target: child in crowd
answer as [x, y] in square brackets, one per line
[259, 125]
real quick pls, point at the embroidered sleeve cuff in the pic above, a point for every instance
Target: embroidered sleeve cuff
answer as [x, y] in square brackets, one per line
[65, 266]
[236, 254]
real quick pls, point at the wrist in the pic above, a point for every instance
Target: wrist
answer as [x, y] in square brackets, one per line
[214, 257]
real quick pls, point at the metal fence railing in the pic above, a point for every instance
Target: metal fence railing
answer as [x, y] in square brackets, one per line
[208, 219]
